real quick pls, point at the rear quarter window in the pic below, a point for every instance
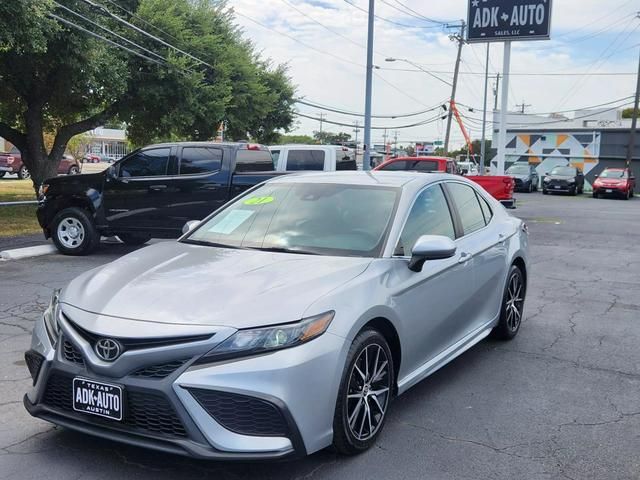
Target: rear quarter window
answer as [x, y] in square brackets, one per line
[298, 160]
[254, 161]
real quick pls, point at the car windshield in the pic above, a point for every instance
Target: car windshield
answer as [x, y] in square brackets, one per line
[519, 170]
[321, 219]
[564, 171]
[614, 174]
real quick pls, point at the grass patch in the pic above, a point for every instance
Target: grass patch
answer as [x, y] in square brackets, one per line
[16, 190]
[18, 220]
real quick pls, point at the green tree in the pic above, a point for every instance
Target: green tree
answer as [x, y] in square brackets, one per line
[627, 113]
[300, 139]
[58, 79]
[331, 138]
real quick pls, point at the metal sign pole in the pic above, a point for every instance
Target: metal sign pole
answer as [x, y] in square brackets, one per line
[504, 107]
[483, 146]
[366, 161]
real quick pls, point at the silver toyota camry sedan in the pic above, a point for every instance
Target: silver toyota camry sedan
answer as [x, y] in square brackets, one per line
[285, 322]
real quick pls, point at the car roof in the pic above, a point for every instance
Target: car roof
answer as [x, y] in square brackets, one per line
[371, 178]
[420, 159]
[206, 144]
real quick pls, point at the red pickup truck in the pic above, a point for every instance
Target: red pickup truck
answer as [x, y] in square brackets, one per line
[499, 187]
[11, 162]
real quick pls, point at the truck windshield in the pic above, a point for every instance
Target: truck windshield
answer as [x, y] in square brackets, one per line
[321, 219]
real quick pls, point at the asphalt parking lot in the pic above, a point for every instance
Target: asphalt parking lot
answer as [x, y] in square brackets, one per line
[560, 401]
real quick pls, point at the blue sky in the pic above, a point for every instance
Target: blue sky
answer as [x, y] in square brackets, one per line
[323, 42]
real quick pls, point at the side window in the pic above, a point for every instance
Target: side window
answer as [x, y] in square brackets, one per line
[468, 207]
[305, 160]
[200, 160]
[344, 161]
[429, 215]
[251, 160]
[147, 163]
[486, 209]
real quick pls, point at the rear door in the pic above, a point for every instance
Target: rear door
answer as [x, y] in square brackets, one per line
[137, 199]
[483, 247]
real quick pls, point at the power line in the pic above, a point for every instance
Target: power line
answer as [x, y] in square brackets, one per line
[422, 16]
[133, 15]
[413, 14]
[111, 42]
[355, 114]
[390, 21]
[342, 124]
[110, 31]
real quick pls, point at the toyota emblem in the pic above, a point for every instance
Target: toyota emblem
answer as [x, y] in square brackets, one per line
[108, 349]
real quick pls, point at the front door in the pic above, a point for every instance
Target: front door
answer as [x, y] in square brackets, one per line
[138, 198]
[433, 304]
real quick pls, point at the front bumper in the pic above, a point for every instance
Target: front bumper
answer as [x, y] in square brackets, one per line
[611, 190]
[298, 385]
[6, 169]
[560, 187]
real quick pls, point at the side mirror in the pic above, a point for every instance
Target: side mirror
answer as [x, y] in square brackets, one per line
[190, 225]
[112, 172]
[430, 247]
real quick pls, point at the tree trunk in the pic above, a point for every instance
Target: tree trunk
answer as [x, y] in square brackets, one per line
[34, 155]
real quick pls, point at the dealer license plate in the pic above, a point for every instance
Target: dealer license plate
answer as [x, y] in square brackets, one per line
[557, 186]
[97, 398]
[608, 190]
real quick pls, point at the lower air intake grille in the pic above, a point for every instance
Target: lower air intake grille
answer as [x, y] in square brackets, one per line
[159, 371]
[242, 414]
[34, 362]
[145, 412]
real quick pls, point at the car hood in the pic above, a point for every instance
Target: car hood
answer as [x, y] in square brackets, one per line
[178, 283]
[560, 177]
[521, 177]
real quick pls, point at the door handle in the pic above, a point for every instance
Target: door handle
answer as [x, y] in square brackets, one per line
[464, 257]
[157, 188]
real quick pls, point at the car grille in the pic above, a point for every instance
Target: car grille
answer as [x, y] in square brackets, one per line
[159, 371]
[242, 414]
[71, 353]
[561, 183]
[145, 412]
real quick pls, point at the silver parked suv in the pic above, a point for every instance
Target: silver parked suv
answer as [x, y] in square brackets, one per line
[284, 322]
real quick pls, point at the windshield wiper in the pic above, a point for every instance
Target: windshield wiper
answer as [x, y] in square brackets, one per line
[209, 244]
[283, 250]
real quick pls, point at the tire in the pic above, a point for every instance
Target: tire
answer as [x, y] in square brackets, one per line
[23, 173]
[581, 190]
[133, 239]
[73, 232]
[595, 195]
[545, 192]
[74, 170]
[573, 192]
[530, 190]
[511, 317]
[353, 430]
[2, 174]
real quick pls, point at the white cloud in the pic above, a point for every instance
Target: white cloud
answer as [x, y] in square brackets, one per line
[337, 76]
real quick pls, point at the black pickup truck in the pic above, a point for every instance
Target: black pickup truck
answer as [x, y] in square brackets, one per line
[150, 193]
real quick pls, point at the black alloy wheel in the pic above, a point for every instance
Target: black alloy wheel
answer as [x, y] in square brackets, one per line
[512, 305]
[365, 393]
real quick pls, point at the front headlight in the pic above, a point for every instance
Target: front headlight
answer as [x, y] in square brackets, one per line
[51, 317]
[547, 179]
[42, 191]
[278, 337]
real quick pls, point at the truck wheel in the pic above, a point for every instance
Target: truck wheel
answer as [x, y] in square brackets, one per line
[73, 232]
[133, 239]
[73, 170]
[23, 173]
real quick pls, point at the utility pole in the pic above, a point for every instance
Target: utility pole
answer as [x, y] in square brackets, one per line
[395, 143]
[322, 115]
[495, 93]
[384, 139]
[522, 106]
[460, 39]
[634, 119]
[366, 161]
[356, 130]
[504, 108]
[483, 145]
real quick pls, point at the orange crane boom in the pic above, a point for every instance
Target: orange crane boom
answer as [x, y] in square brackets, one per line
[464, 130]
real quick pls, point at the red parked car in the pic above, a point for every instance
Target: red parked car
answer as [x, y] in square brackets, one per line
[12, 163]
[616, 182]
[499, 187]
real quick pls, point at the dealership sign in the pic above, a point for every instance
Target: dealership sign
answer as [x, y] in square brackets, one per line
[503, 20]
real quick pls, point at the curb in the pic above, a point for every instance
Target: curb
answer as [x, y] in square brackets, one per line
[27, 252]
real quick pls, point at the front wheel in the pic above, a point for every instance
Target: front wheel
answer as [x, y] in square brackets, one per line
[2, 174]
[73, 232]
[530, 190]
[364, 394]
[545, 192]
[23, 173]
[512, 306]
[74, 170]
[133, 239]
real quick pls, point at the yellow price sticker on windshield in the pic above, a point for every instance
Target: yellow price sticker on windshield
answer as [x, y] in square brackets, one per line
[258, 200]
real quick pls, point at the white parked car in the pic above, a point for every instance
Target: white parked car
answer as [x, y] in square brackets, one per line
[327, 158]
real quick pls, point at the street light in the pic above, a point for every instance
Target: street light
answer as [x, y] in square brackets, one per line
[391, 59]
